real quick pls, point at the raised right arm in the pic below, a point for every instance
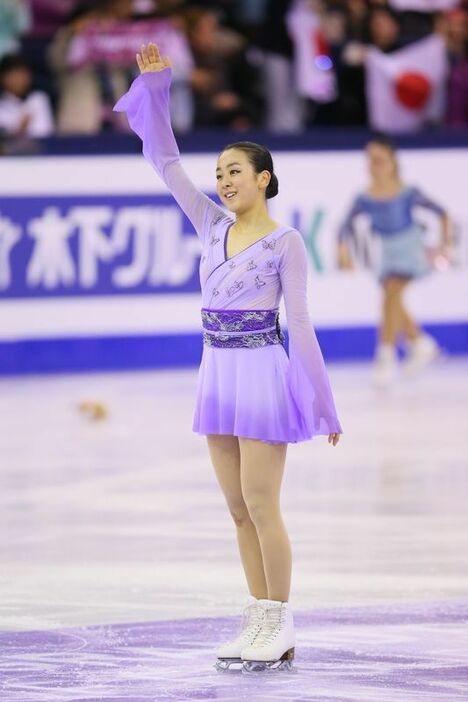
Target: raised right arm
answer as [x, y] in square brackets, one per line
[147, 108]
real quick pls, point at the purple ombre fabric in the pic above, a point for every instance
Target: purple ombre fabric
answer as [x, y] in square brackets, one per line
[259, 392]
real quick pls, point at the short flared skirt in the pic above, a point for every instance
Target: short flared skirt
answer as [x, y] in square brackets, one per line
[245, 392]
[404, 254]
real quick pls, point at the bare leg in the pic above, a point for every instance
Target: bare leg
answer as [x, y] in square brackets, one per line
[262, 467]
[409, 326]
[396, 318]
[225, 456]
[391, 310]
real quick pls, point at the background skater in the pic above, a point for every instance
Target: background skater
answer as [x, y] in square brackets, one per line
[400, 254]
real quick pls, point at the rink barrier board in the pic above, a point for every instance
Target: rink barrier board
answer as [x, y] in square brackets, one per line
[47, 326]
[214, 140]
[92, 354]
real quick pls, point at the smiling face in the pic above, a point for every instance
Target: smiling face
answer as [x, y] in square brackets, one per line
[238, 185]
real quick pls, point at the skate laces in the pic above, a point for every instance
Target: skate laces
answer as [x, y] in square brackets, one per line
[271, 626]
[252, 620]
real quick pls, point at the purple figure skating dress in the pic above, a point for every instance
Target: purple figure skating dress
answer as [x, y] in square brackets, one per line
[248, 386]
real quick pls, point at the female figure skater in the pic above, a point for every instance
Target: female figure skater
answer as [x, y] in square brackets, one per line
[400, 255]
[252, 400]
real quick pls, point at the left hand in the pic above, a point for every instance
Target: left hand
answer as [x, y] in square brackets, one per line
[441, 258]
[333, 438]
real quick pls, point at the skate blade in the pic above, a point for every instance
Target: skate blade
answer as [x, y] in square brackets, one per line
[228, 665]
[284, 664]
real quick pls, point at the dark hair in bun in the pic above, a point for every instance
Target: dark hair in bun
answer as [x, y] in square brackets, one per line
[261, 160]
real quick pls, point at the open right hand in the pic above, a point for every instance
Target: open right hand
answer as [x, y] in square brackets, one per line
[149, 59]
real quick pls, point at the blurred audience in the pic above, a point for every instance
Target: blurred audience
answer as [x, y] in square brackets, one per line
[239, 63]
[23, 111]
[346, 27]
[222, 79]
[15, 20]
[284, 108]
[384, 29]
[87, 92]
[454, 27]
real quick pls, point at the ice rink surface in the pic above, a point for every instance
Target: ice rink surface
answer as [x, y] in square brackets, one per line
[120, 571]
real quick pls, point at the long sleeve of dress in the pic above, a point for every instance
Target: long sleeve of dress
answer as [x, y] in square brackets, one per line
[147, 107]
[420, 200]
[308, 379]
[346, 229]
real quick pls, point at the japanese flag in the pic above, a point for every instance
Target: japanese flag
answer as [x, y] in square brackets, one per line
[405, 89]
[313, 67]
[424, 5]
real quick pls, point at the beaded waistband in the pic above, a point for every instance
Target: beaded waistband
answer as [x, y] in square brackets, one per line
[236, 329]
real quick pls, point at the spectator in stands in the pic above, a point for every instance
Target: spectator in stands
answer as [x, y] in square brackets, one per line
[284, 109]
[244, 74]
[84, 92]
[454, 27]
[346, 30]
[384, 29]
[15, 20]
[357, 12]
[222, 79]
[23, 111]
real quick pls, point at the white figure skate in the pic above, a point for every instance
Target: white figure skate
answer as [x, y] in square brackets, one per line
[385, 367]
[273, 647]
[421, 353]
[230, 653]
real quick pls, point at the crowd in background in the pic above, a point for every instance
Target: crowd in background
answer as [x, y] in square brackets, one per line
[64, 63]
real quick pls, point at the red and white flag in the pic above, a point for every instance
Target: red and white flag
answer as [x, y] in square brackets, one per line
[314, 70]
[406, 89]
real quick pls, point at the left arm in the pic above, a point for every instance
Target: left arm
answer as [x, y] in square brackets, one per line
[421, 200]
[308, 374]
